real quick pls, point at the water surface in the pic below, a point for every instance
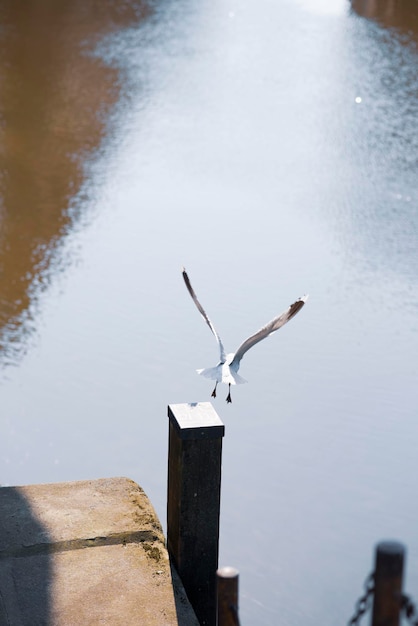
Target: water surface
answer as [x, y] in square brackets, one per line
[271, 149]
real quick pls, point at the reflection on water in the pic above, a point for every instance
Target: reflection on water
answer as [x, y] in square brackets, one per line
[371, 141]
[56, 97]
[400, 14]
[382, 140]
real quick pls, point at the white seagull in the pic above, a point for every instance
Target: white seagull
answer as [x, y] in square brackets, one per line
[227, 369]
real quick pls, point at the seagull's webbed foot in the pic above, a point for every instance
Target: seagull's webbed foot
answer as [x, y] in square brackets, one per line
[228, 397]
[214, 391]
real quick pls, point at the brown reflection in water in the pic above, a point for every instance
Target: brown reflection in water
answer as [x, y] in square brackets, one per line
[400, 14]
[55, 99]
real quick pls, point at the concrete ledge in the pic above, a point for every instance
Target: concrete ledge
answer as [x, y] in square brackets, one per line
[86, 553]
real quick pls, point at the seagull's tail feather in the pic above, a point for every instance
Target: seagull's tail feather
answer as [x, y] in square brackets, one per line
[238, 380]
[214, 373]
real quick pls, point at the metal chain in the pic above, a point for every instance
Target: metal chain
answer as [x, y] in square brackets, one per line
[363, 603]
[408, 608]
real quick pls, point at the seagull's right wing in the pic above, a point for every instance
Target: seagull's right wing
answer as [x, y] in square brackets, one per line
[205, 317]
[269, 328]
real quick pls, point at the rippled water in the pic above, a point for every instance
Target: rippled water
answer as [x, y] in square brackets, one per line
[271, 148]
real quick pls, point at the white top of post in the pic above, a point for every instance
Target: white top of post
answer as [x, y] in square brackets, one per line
[196, 420]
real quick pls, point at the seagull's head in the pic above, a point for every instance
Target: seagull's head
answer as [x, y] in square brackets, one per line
[230, 358]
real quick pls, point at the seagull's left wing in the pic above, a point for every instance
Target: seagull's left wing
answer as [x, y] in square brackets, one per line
[268, 329]
[204, 315]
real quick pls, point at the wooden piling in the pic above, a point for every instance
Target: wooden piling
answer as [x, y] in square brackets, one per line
[193, 502]
[389, 565]
[227, 585]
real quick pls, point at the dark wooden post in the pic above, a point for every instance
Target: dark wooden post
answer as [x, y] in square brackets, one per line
[227, 578]
[388, 583]
[193, 502]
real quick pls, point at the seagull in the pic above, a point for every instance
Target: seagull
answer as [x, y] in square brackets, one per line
[227, 369]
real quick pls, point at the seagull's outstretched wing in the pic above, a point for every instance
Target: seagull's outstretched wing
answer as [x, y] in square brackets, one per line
[269, 328]
[205, 317]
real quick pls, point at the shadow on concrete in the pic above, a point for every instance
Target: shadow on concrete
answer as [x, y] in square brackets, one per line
[181, 601]
[25, 565]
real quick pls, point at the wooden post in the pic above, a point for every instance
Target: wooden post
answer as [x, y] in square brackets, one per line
[227, 578]
[193, 502]
[388, 583]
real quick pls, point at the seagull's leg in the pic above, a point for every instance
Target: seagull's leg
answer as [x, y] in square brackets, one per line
[228, 397]
[214, 391]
